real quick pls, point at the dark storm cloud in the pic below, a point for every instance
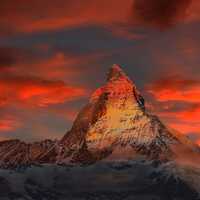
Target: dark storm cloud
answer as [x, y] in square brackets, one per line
[160, 13]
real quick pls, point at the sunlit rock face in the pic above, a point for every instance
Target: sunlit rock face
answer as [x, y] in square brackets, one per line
[115, 124]
[121, 104]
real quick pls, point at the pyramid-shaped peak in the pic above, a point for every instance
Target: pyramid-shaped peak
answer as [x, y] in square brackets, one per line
[115, 124]
[118, 87]
[116, 72]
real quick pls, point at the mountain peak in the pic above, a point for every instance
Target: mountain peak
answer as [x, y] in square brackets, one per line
[117, 88]
[115, 73]
[115, 123]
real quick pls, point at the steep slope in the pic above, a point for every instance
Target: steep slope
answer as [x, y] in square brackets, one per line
[115, 124]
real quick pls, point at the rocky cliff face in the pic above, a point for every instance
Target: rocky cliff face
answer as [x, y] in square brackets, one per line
[115, 124]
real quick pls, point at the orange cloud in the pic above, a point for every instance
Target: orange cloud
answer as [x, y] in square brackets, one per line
[185, 127]
[176, 89]
[186, 121]
[37, 92]
[8, 124]
[58, 66]
[178, 102]
[192, 95]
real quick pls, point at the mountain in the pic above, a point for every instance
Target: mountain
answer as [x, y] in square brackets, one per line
[115, 125]
[115, 150]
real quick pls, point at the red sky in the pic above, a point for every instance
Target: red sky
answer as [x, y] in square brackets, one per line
[54, 54]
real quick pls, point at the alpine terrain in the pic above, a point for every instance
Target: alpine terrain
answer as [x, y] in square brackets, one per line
[115, 150]
[115, 125]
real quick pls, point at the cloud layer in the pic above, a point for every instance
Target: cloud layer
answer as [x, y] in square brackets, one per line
[36, 91]
[179, 102]
[35, 16]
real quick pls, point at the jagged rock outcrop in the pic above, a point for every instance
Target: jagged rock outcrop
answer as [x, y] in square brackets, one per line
[115, 124]
[14, 153]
